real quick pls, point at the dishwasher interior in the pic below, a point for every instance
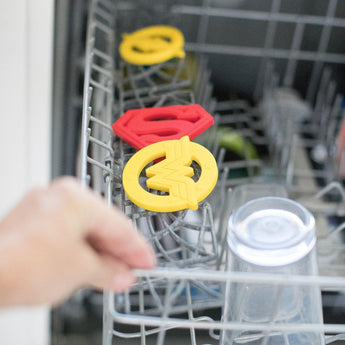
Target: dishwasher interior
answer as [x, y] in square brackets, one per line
[271, 74]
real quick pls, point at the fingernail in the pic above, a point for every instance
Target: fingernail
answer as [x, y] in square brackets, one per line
[123, 281]
[147, 257]
[153, 257]
[151, 253]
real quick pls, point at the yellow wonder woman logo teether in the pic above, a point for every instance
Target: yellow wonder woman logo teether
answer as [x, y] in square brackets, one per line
[172, 175]
[151, 45]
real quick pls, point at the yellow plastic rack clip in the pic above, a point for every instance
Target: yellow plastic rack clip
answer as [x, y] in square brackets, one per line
[151, 45]
[171, 175]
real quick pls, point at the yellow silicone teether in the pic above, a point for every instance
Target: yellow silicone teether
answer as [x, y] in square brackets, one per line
[151, 45]
[171, 175]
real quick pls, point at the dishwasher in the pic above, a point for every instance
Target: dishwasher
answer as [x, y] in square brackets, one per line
[271, 74]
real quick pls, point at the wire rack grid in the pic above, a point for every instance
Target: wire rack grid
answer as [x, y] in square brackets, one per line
[190, 288]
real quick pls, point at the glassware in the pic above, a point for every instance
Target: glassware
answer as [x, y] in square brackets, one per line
[272, 235]
[249, 191]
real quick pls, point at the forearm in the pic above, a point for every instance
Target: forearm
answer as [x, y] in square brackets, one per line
[11, 267]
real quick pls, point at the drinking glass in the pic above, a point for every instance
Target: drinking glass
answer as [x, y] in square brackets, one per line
[272, 235]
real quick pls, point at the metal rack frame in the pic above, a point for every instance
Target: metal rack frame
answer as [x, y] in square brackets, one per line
[109, 91]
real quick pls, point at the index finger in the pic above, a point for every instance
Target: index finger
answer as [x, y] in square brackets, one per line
[107, 229]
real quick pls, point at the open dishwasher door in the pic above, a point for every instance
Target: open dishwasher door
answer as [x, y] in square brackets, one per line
[26, 100]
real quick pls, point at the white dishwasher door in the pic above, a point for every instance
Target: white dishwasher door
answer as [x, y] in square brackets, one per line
[26, 39]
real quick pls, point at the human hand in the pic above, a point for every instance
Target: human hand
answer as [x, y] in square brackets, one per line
[62, 237]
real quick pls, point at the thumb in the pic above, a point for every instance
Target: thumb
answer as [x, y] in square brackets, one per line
[110, 274]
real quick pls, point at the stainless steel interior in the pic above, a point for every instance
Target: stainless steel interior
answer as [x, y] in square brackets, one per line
[271, 71]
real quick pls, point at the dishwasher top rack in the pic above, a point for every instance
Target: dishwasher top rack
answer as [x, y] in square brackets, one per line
[190, 245]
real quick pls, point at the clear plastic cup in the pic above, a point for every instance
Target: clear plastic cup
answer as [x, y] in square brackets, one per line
[273, 235]
[249, 191]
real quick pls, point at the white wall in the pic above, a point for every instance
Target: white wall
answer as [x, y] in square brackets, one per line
[26, 41]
